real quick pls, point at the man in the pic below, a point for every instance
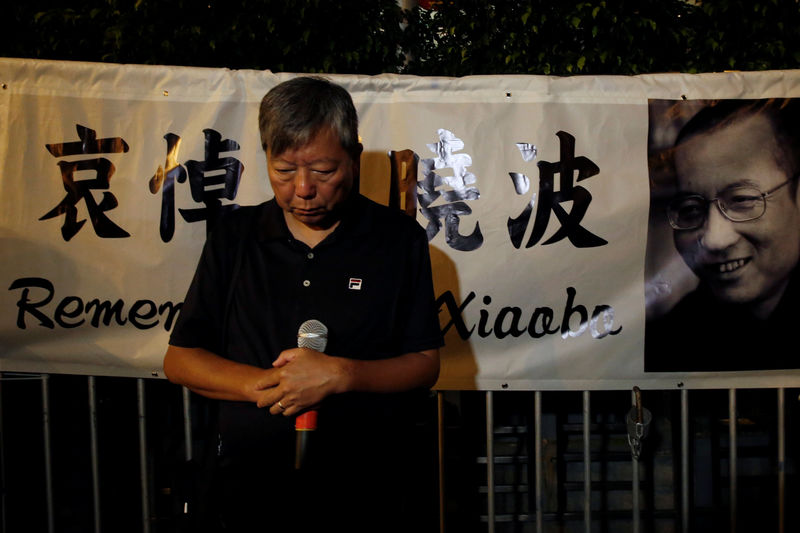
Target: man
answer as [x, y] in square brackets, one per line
[736, 224]
[317, 250]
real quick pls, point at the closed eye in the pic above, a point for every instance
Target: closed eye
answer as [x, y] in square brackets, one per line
[283, 170]
[323, 173]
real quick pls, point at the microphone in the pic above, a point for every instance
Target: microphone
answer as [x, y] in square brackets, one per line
[312, 334]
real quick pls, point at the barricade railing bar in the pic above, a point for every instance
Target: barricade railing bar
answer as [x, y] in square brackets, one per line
[587, 463]
[501, 501]
[732, 457]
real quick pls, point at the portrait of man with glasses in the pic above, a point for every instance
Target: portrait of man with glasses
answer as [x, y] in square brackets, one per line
[733, 210]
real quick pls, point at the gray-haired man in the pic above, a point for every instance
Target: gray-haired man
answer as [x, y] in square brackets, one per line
[317, 250]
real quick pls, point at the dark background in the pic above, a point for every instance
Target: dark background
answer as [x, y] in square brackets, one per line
[447, 38]
[454, 38]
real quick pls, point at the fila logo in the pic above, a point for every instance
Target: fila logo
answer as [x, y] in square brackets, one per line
[354, 284]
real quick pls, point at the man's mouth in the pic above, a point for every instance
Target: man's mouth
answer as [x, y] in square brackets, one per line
[726, 267]
[308, 212]
[730, 266]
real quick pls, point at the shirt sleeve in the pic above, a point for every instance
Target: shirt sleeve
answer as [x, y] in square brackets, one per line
[200, 322]
[422, 330]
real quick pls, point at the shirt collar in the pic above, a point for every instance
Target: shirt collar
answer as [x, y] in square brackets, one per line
[270, 223]
[356, 220]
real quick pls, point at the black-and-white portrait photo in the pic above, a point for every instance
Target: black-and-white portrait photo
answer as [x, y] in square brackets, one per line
[724, 236]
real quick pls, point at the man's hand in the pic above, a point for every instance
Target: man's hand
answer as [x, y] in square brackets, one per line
[302, 378]
[215, 377]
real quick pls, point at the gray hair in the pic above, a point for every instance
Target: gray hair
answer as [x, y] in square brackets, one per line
[292, 112]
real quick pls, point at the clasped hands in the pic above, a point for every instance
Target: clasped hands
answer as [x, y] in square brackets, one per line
[299, 380]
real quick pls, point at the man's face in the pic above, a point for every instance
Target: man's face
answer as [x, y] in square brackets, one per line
[741, 262]
[310, 182]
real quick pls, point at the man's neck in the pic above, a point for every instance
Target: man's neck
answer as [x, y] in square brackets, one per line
[305, 234]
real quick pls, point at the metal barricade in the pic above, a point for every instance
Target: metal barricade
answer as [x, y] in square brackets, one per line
[543, 488]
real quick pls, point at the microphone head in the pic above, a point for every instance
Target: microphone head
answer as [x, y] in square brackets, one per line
[312, 334]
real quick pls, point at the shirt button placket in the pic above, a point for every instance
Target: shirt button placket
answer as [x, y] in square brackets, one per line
[307, 282]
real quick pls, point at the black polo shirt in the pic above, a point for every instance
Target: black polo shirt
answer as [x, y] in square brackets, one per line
[369, 282]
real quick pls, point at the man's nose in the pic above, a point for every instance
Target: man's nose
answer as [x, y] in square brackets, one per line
[304, 186]
[719, 233]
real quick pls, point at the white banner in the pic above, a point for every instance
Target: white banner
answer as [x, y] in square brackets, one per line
[535, 192]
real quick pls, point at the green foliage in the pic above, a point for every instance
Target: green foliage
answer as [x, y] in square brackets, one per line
[459, 37]
[603, 37]
[731, 35]
[281, 35]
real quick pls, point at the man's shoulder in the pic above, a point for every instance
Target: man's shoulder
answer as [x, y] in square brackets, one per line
[238, 224]
[237, 219]
[690, 314]
[376, 217]
[672, 340]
